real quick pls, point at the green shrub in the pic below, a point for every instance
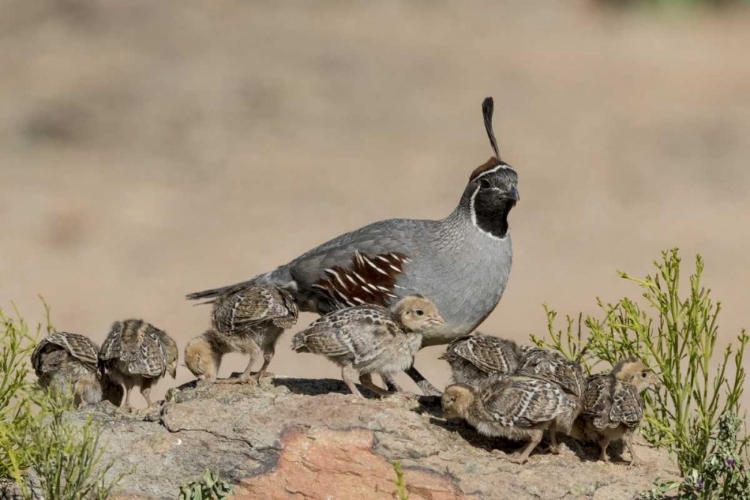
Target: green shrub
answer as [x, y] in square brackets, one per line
[676, 336]
[35, 433]
[209, 487]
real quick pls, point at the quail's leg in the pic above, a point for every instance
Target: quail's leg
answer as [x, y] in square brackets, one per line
[427, 388]
[390, 383]
[628, 439]
[245, 378]
[554, 447]
[349, 373]
[603, 444]
[267, 357]
[128, 389]
[366, 380]
[536, 438]
[146, 391]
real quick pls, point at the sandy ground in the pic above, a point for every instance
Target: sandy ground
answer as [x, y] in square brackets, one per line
[151, 149]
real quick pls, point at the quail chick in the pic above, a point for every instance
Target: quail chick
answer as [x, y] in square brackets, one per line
[247, 319]
[136, 353]
[68, 361]
[613, 407]
[554, 367]
[473, 358]
[369, 339]
[514, 407]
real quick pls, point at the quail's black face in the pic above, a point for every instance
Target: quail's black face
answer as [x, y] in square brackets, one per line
[494, 193]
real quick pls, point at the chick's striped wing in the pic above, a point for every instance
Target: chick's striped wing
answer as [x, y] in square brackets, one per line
[76, 345]
[553, 366]
[524, 401]
[488, 353]
[352, 333]
[241, 310]
[627, 405]
[136, 343]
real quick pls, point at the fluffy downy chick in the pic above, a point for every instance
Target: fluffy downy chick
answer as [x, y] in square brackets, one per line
[136, 353]
[514, 407]
[613, 407]
[554, 367]
[370, 339]
[68, 362]
[248, 320]
[473, 358]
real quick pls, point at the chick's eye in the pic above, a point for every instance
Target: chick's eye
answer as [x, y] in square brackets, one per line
[419, 312]
[644, 375]
[484, 183]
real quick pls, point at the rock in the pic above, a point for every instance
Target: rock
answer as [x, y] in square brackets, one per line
[295, 438]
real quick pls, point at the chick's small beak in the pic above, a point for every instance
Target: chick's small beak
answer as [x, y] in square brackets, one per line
[512, 194]
[436, 319]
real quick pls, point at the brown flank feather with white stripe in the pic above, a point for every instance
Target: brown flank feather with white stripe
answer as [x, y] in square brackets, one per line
[369, 279]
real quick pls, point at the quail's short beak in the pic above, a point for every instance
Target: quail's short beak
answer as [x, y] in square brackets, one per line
[436, 319]
[512, 194]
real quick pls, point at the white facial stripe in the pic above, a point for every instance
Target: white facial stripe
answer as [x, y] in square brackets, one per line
[502, 166]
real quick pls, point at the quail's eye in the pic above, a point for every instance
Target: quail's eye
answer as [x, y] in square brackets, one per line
[644, 374]
[484, 183]
[419, 312]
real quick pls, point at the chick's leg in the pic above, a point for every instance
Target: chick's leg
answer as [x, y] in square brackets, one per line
[349, 373]
[267, 357]
[366, 380]
[554, 447]
[628, 439]
[603, 444]
[146, 390]
[245, 377]
[128, 389]
[536, 438]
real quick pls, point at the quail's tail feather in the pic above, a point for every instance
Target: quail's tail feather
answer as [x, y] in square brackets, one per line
[278, 277]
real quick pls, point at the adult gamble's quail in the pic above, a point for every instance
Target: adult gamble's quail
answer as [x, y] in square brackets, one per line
[462, 262]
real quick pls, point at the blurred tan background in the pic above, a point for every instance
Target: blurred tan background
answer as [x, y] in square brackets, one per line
[151, 149]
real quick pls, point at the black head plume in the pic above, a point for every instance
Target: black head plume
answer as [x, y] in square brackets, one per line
[488, 106]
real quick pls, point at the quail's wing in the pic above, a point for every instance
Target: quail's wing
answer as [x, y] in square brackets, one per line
[251, 306]
[597, 398]
[365, 266]
[142, 349]
[553, 366]
[112, 345]
[351, 332]
[524, 401]
[79, 346]
[488, 353]
[627, 405]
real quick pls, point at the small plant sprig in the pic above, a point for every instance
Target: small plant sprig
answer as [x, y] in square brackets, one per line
[35, 434]
[676, 336]
[209, 487]
[400, 482]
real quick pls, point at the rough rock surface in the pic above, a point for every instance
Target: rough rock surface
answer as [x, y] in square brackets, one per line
[294, 438]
